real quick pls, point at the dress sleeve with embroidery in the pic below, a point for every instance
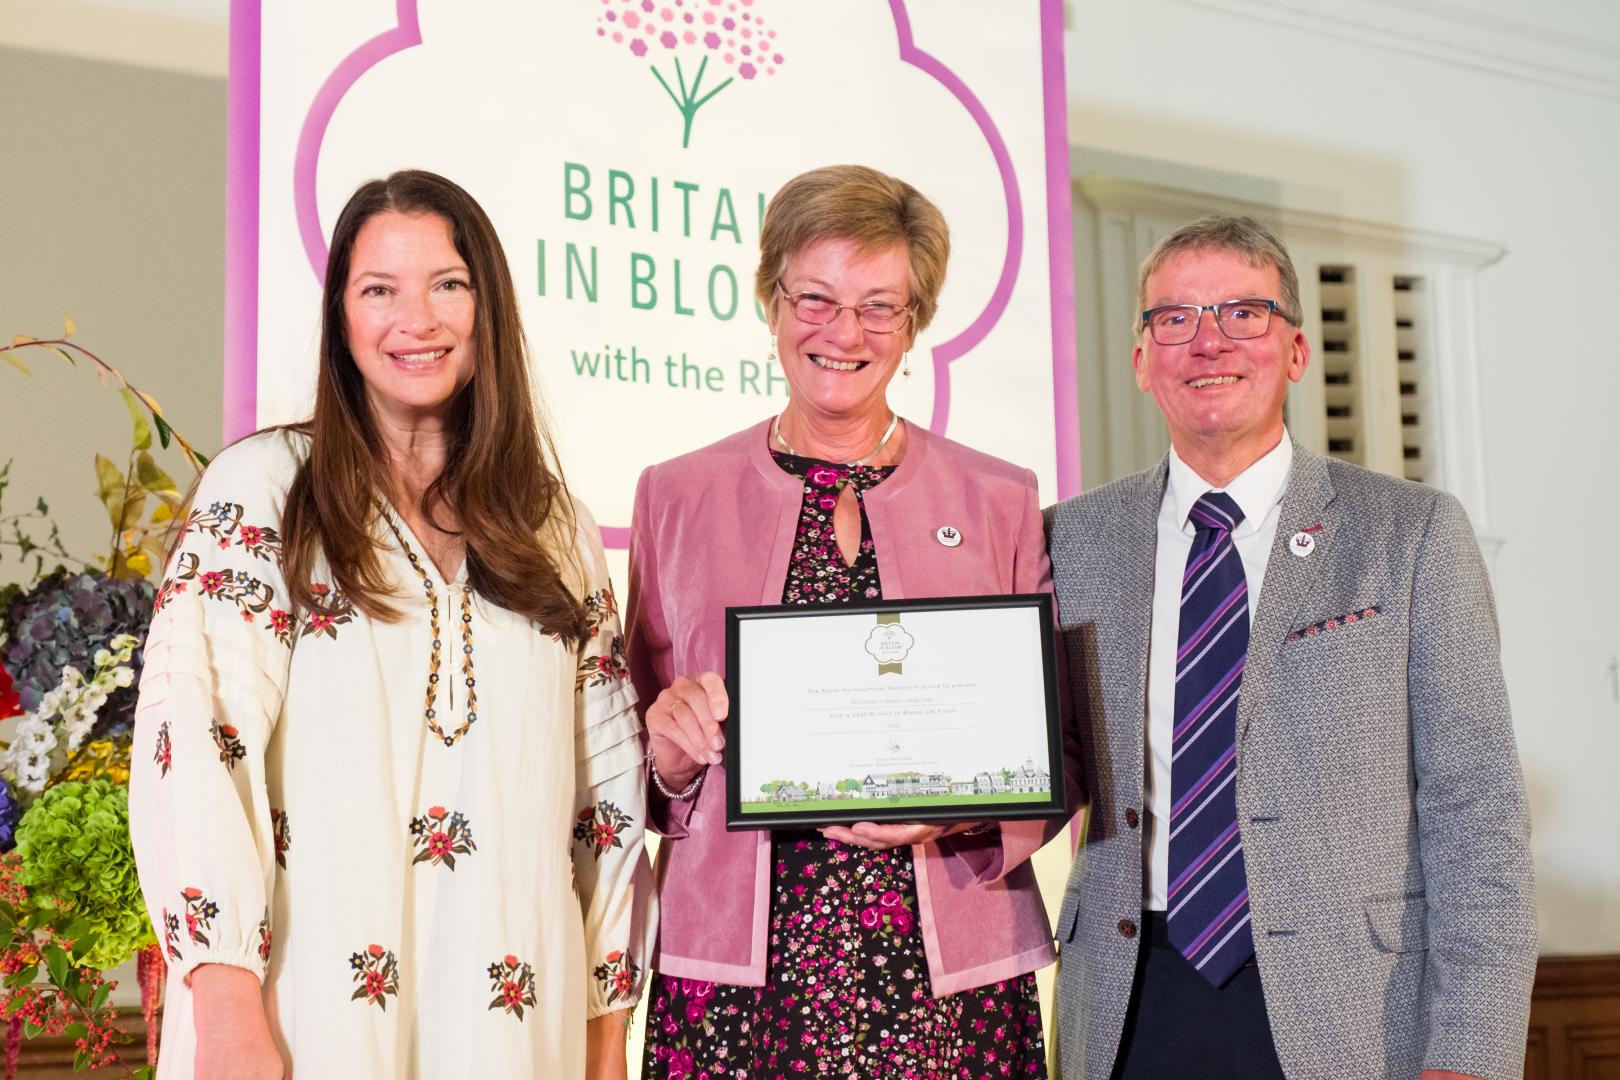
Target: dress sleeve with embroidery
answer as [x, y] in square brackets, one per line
[610, 862]
[215, 670]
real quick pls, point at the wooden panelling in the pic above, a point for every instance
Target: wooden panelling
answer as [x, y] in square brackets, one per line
[1575, 1019]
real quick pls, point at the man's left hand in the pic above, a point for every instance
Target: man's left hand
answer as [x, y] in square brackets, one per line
[871, 835]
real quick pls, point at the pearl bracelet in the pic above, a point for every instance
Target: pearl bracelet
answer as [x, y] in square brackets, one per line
[663, 788]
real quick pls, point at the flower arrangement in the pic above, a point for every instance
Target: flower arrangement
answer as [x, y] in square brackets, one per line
[70, 660]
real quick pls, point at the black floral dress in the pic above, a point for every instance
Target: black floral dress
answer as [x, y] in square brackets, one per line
[846, 991]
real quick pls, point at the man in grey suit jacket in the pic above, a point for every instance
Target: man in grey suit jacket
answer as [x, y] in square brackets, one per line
[1306, 853]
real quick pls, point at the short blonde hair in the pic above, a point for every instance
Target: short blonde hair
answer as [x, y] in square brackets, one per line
[856, 203]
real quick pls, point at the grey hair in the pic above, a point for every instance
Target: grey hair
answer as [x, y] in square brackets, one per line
[1239, 234]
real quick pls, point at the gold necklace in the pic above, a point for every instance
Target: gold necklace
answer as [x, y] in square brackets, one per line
[471, 716]
[776, 433]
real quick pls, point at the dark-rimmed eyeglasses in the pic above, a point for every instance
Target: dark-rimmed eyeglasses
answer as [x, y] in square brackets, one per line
[818, 310]
[1177, 324]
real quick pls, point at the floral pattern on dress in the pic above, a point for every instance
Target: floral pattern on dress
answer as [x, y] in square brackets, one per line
[200, 914]
[164, 754]
[600, 606]
[616, 976]
[440, 836]
[598, 827]
[847, 990]
[816, 568]
[252, 595]
[223, 521]
[336, 611]
[264, 937]
[890, 916]
[171, 934]
[281, 834]
[229, 742]
[847, 993]
[513, 984]
[377, 972]
[602, 669]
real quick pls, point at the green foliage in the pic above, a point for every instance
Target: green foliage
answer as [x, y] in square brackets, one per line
[141, 499]
[75, 848]
[22, 533]
[67, 997]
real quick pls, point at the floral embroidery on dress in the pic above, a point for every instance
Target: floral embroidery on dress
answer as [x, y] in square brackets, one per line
[164, 756]
[251, 596]
[598, 827]
[603, 669]
[616, 976]
[171, 934]
[264, 936]
[337, 612]
[377, 972]
[229, 742]
[600, 607]
[200, 915]
[223, 521]
[440, 836]
[281, 833]
[513, 984]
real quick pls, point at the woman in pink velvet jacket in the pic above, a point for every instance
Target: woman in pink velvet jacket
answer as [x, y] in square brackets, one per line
[872, 950]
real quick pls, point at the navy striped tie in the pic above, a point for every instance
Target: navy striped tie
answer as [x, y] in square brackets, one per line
[1209, 892]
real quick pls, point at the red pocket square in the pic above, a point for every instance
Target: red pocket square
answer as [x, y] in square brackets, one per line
[1349, 618]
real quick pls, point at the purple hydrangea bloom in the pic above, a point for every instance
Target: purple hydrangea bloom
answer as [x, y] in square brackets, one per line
[8, 818]
[63, 619]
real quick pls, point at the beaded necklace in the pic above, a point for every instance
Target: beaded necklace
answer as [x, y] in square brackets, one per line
[471, 716]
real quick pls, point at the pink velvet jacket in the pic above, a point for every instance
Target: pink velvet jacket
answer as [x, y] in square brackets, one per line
[713, 528]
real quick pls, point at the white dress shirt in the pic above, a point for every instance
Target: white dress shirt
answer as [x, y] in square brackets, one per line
[1258, 491]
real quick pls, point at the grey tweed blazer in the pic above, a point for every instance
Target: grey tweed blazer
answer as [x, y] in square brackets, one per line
[1379, 795]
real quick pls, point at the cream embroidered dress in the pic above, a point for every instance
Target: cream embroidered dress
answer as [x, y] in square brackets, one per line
[424, 836]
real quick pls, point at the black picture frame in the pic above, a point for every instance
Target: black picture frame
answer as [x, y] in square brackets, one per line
[1051, 805]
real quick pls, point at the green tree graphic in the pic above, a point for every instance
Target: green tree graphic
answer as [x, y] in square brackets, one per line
[733, 34]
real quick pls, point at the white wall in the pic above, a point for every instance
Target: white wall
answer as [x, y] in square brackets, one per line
[1291, 111]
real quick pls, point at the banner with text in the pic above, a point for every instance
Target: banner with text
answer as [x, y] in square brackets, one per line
[626, 150]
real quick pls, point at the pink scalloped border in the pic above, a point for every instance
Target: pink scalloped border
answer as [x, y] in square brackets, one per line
[243, 200]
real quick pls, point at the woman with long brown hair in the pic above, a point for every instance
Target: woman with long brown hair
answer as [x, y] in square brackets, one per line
[390, 822]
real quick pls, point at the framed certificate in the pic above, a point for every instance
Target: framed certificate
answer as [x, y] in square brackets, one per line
[942, 709]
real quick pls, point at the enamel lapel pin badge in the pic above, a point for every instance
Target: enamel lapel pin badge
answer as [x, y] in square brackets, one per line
[1303, 542]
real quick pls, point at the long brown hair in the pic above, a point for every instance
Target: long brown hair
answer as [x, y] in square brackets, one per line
[501, 480]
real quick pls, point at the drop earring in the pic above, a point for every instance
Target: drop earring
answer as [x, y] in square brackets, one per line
[770, 353]
[905, 365]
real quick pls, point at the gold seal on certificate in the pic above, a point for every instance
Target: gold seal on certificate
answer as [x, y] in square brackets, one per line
[902, 710]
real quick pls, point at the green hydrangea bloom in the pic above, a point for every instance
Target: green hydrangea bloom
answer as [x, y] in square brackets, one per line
[75, 847]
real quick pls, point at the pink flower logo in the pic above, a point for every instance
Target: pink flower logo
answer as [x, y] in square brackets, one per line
[690, 95]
